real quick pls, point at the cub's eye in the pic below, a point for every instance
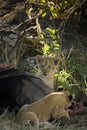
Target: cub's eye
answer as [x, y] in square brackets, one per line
[42, 65]
[49, 66]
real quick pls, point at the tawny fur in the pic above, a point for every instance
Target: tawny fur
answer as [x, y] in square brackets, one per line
[47, 68]
[51, 106]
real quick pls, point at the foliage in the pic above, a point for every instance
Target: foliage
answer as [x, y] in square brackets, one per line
[73, 73]
[55, 8]
[51, 45]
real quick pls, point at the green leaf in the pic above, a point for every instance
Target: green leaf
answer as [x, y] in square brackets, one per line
[44, 14]
[43, 1]
[55, 43]
[46, 49]
[53, 36]
[52, 31]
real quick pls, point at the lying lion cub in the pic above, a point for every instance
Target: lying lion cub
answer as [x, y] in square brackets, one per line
[47, 67]
[51, 106]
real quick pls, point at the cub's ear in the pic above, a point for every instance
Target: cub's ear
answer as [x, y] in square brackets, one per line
[38, 58]
[56, 61]
[70, 97]
[60, 89]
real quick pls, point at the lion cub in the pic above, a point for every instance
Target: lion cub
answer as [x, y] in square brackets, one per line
[51, 106]
[47, 68]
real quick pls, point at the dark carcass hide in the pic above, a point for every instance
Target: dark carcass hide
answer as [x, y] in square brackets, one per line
[19, 87]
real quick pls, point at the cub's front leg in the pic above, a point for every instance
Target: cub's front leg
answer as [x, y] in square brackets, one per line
[61, 116]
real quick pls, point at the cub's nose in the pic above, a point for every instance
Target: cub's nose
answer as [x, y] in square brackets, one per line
[45, 73]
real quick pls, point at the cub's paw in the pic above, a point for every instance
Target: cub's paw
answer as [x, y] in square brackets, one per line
[64, 121]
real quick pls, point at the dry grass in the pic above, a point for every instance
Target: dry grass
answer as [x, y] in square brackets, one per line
[78, 122]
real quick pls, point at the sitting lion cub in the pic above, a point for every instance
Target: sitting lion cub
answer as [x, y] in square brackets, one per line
[51, 106]
[47, 68]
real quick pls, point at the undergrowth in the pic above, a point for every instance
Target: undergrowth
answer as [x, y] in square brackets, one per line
[72, 73]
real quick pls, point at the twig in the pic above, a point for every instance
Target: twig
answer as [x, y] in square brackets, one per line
[26, 30]
[28, 20]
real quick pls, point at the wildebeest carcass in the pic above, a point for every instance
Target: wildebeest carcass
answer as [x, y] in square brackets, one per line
[19, 87]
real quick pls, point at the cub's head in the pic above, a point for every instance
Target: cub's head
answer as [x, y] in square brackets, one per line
[67, 95]
[69, 98]
[47, 65]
